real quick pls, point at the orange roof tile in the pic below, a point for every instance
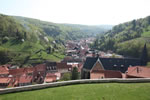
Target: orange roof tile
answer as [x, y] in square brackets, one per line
[139, 71]
[19, 71]
[5, 80]
[4, 70]
[63, 65]
[25, 79]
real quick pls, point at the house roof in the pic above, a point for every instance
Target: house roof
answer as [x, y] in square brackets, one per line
[120, 64]
[30, 69]
[63, 65]
[25, 79]
[5, 80]
[4, 70]
[19, 71]
[139, 71]
[89, 63]
[50, 77]
[40, 67]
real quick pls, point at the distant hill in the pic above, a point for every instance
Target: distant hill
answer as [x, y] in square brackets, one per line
[127, 38]
[65, 31]
[92, 30]
[26, 40]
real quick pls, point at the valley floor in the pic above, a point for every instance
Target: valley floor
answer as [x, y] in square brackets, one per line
[107, 91]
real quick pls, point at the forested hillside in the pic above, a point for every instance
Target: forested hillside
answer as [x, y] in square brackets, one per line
[23, 43]
[127, 39]
[25, 40]
[65, 31]
[92, 30]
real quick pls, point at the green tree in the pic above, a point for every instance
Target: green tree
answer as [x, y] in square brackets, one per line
[66, 77]
[4, 57]
[75, 74]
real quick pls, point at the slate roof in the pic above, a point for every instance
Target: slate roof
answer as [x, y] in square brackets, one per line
[120, 64]
[89, 63]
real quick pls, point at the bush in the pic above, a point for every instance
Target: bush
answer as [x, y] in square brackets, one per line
[4, 56]
[66, 77]
[5, 39]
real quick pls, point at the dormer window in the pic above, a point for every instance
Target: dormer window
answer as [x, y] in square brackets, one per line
[122, 66]
[115, 65]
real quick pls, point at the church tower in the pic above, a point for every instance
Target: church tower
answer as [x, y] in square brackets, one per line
[144, 56]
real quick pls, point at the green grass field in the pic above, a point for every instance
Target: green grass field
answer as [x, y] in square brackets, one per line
[107, 91]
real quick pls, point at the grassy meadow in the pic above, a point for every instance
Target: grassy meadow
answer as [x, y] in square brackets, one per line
[107, 91]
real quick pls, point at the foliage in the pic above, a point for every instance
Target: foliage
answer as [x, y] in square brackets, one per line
[66, 77]
[148, 64]
[75, 74]
[102, 91]
[36, 40]
[127, 39]
[4, 56]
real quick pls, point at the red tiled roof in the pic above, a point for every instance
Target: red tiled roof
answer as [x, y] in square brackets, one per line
[4, 70]
[48, 80]
[25, 79]
[5, 80]
[19, 71]
[30, 70]
[63, 65]
[138, 71]
[40, 67]
[57, 74]
[50, 77]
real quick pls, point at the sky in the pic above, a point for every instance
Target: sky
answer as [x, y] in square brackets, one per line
[87, 12]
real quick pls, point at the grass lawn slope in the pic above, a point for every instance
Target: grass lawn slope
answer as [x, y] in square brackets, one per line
[109, 91]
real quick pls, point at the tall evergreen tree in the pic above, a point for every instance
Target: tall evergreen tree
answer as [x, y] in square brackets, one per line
[144, 56]
[75, 74]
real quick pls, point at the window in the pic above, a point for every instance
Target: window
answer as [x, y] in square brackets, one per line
[122, 66]
[115, 65]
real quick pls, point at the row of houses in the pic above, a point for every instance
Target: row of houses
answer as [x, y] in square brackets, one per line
[48, 72]
[100, 67]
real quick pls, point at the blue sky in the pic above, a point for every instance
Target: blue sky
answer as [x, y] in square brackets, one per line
[89, 12]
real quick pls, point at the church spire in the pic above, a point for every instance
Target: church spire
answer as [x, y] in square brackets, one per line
[144, 56]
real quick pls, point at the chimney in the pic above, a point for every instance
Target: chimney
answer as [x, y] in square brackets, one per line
[137, 69]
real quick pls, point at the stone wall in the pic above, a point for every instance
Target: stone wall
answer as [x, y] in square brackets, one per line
[85, 81]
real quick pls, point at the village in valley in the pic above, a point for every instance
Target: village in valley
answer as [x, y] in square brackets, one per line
[90, 64]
